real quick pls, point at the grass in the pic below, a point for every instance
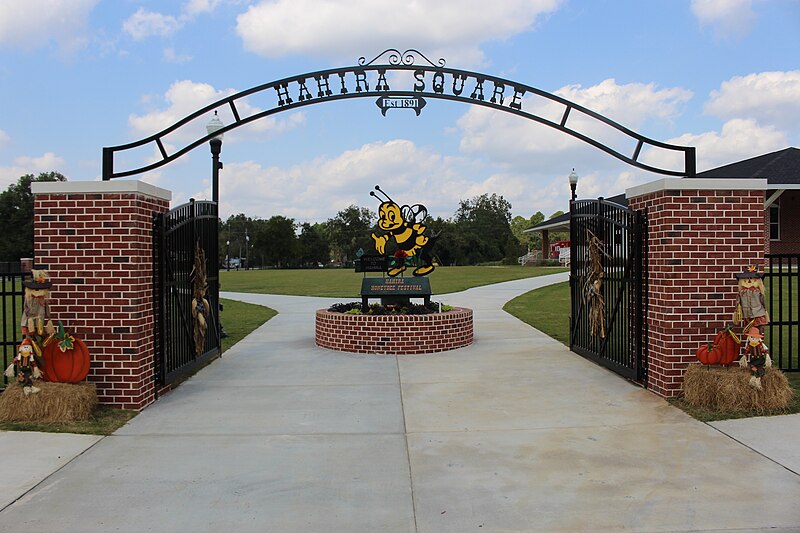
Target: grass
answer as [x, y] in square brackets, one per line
[547, 309]
[344, 283]
[239, 319]
[106, 420]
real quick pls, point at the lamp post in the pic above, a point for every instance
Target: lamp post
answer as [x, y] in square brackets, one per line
[573, 183]
[246, 250]
[214, 125]
[227, 255]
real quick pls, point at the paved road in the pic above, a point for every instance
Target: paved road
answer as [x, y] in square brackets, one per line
[514, 433]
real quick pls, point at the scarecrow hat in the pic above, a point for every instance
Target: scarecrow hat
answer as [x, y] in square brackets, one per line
[41, 280]
[755, 332]
[750, 272]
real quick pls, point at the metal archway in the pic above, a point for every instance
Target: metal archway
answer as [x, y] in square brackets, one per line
[368, 79]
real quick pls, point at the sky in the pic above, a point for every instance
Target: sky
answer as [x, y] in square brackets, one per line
[77, 75]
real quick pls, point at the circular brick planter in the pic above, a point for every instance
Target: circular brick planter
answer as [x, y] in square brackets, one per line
[394, 334]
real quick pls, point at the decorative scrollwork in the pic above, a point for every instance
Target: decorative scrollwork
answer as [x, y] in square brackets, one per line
[395, 57]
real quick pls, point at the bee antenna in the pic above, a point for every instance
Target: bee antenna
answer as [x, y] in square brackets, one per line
[377, 188]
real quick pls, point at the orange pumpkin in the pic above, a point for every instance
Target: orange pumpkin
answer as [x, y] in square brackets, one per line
[728, 344]
[708, 354]
[68, 366]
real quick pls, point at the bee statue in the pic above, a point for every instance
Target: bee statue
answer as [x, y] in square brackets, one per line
[404, 225]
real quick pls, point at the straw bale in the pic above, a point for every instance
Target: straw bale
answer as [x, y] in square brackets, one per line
[727, 389]
[56, 402]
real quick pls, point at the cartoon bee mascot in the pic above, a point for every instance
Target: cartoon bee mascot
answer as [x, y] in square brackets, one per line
[405, 226]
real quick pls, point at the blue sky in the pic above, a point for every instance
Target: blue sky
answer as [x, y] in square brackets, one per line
[77, 75]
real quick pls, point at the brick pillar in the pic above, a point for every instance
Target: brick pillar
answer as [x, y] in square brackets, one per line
[95, 238]
[701, 233]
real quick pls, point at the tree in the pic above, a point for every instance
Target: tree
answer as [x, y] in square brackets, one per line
[16, 212]
[530, 241]
[275, 241]
[350, 231]
[235, 231]
[484, 225]
[312, 245]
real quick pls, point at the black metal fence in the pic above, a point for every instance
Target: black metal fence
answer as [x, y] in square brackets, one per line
[11, 298]
[782, 334]
[618, 339]
[175, 235]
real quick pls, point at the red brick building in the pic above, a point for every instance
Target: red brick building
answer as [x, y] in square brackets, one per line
[781, 169]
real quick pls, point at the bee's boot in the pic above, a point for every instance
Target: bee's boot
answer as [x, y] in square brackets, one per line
[424, 270]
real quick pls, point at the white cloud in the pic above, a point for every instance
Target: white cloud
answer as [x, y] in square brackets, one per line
[728, 18]
[771, 98]
[315, 190]
[4, 137]
[453, 29]
[184, 97]
[35, 23]
[171, 56]
[738, 140]
[519, 142]
[143, 24]
[29, 165]
[195, 7]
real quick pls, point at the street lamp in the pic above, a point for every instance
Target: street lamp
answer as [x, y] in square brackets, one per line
[246, 250]
[573, 183]
[228, 255]
[214, 125]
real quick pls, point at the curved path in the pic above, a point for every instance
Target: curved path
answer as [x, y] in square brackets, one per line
[514, 433]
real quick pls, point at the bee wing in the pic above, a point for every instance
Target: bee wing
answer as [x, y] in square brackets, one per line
[414, 214]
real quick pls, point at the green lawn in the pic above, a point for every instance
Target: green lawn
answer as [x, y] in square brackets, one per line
[344, 283]
[546, 309]
[240, 318]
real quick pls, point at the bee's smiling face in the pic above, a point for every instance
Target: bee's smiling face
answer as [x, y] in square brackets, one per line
[389, 217]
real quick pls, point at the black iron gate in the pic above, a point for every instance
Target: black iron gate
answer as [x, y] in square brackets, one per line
[11, 297]
[608, 286]
[176, 236]
[782, 335]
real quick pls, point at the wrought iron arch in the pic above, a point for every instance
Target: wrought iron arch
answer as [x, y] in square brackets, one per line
[430, 80]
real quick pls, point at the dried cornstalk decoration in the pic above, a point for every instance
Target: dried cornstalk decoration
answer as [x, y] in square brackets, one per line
[593, 287]
[200, 306]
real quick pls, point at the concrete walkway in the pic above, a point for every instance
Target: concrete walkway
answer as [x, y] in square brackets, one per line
[514, 433]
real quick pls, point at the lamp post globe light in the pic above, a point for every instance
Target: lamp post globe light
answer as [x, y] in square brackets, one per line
[228, 255]
[213, 126]
[573, 183]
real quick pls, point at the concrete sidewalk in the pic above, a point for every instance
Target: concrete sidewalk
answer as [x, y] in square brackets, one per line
[514, 433]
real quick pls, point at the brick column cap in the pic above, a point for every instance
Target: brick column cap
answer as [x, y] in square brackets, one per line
[100, 187]
[698, 184]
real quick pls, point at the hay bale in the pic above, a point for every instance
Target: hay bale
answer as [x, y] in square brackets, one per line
[728, 390]
[56, 402]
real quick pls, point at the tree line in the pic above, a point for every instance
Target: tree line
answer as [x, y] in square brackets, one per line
[481, 230]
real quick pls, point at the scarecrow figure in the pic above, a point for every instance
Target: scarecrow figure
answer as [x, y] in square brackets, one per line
[200, 305]
[750, 309]
[35, 309]
[756, 356]
[25, 368]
